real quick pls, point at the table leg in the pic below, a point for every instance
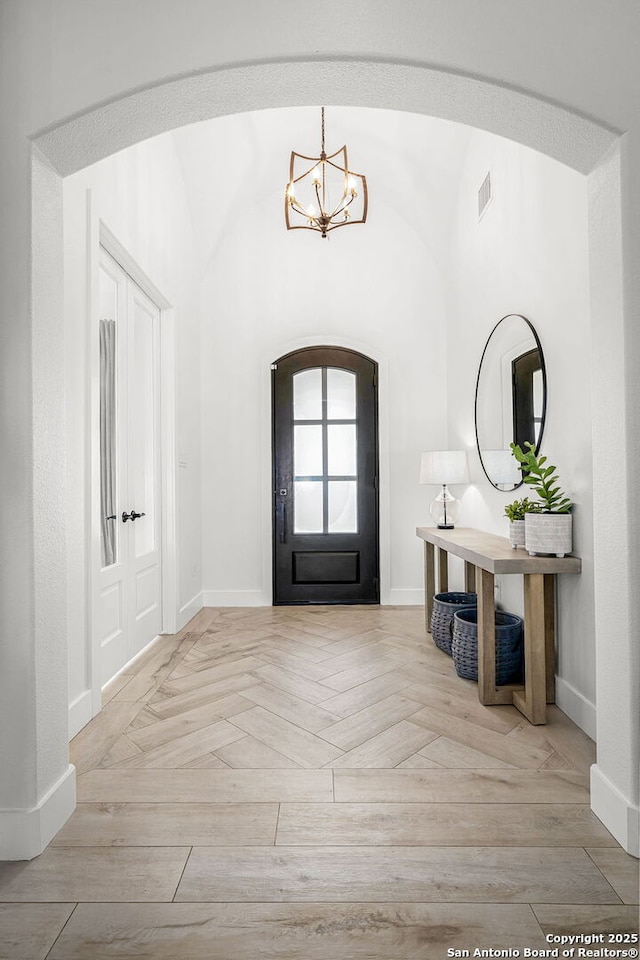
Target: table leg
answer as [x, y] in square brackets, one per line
[486, 638]
[533, 703]
[429, 583]
[550, 634]
[443, 570]
[469, 577]
[488, 692]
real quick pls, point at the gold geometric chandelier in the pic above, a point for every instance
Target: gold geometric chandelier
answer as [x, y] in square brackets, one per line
[322, 193]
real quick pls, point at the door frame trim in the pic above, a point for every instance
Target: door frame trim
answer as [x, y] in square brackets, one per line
[279, 349]
[100, 235]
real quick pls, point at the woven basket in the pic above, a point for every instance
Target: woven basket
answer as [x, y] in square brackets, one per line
[444, 607]
[464, 646]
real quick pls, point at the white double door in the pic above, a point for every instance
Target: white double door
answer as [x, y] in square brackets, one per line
[128, 586]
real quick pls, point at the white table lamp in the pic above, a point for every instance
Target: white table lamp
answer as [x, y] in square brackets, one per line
[444, 467]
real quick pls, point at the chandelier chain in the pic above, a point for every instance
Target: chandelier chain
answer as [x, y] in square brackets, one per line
[322, 130]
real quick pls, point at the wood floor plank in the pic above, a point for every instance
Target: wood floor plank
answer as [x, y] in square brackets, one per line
[297, 648]
[423, 874]
[202, 786]
[248, 753]
[295, 931]
[361, 726]
[486, 741]
[209, 761]
[88, 874]
[293, 683]
[28, 930]
[435, 824]
[203, 620]
[364, 695]
[360, 674]
[296, 665]
[306, 715]
[181, 750]
[169, 824]
[450, 786]
[122, 749]
[387, 749]
[417, 761]
[304, 748]
[563, 736]
[621, 870]
[88, 747]
[455, 701]
[577, 918]
[221, 671]
[164, 731]
[448, 753]
[168, 704]
[114, 685]
[358, 657]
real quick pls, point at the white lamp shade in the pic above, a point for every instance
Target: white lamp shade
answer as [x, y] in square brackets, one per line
[444, 466]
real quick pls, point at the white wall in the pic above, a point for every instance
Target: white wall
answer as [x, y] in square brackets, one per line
[377, 288]
[139, 195]
[528, 255]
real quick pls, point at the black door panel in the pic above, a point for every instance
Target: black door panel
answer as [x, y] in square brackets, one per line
[325, 461]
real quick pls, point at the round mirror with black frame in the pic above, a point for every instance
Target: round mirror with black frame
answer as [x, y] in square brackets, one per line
[511, 398]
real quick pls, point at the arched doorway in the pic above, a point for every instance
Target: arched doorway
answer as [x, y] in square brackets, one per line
[582, 144]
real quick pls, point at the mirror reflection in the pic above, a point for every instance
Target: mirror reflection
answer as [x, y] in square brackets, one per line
[510, 398]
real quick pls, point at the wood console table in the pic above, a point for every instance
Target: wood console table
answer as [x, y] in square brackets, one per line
[486, 555]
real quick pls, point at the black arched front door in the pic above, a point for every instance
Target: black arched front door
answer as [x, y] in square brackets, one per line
[325, 477]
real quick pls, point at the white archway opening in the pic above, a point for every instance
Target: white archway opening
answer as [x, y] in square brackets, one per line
[577, 142]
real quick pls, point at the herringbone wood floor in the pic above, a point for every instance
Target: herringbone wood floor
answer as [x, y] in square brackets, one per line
[315, 783]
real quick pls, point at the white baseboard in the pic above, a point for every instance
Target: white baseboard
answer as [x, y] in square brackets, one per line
[236, 598]
[400, 597]
[189, 610]
[576, 706]
[25, 833]
[619, 815]
[80, 712]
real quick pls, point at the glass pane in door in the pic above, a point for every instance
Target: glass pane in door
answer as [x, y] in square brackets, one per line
[307, 450]
[343, 506]
[307, 394]
[341, 394]
[341, 449]
[307, 505]
[109, 528]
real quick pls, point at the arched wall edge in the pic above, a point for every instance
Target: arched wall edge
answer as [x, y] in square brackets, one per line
[574, 140]
[562, 134]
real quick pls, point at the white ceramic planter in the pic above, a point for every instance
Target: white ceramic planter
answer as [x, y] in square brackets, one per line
[516, 533]
[548, 533]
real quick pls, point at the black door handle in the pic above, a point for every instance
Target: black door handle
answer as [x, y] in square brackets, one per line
[111, 517]
[282, 517]
[131, 516]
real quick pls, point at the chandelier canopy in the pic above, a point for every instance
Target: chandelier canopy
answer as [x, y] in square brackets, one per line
[322, 193]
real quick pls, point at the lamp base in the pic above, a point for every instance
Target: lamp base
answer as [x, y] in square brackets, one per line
[445, 510]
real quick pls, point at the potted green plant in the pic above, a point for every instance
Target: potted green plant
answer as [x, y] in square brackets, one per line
[516, 513]
[548, 530]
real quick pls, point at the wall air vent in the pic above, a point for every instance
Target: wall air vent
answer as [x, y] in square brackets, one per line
[484, 195]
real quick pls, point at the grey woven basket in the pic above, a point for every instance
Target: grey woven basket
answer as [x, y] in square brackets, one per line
[464, 645]
[445, 605]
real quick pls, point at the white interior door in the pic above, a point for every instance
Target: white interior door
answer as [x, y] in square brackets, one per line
[128, 598]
